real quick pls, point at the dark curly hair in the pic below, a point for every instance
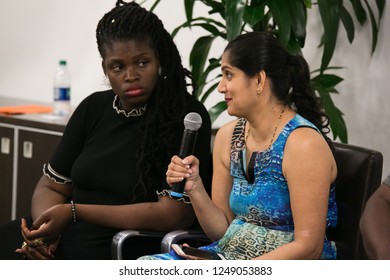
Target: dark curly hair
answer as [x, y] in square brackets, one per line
[289, 74]
[166, 107]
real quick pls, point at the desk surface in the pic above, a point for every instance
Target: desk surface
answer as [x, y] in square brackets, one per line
[41, 121]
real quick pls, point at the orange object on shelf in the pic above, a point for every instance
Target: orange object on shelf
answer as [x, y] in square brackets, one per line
[25, 109]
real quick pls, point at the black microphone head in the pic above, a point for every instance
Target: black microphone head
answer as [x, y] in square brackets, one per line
[192, 121]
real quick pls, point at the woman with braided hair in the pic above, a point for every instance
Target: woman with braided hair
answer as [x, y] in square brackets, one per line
[108, 172]
[273, 195]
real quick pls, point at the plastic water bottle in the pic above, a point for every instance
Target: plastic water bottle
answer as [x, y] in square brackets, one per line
[62, 85]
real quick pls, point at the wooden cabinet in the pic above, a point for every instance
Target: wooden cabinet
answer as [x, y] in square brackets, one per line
[6, 172]
[26, 143]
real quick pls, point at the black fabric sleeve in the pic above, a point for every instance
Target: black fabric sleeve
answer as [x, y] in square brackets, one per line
[71, 142]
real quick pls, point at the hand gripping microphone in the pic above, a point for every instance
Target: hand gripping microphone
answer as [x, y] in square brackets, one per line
[192, 122]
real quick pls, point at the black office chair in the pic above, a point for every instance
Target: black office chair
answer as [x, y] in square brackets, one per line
[359, 175]
[131, 243]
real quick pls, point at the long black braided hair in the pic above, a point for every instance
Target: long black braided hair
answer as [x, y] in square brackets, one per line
[289, 74]
[166, 107]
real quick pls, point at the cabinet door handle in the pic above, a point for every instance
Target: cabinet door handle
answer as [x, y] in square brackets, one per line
[27, 149]
[5, 145]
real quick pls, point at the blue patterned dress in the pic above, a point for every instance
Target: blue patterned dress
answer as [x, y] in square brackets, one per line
[261, 202]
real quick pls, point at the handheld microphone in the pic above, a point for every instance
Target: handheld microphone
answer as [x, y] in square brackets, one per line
[192, 122]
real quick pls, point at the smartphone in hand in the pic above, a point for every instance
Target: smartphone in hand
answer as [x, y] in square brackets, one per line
[192, 253]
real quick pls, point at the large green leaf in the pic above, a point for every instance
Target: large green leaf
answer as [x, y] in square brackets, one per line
[359, 11]
[210, 90]
[326, 81]
[202, 81]
[217, 110]
[211, 29]
[381, 6]
[234, 17]
[294, 46]
[298, 20]
[347, 21]
[153, 6]
[199, 54]
[308, 3]
[337, 123]
[328, 68]
[281, 15]
[329, 11]
[253, 14]
[336, 120]
[189, 8]
[374, 28]
[216, 7]
[200, 21]
[325, 84]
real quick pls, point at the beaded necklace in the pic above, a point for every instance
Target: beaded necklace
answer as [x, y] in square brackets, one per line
[266, 154]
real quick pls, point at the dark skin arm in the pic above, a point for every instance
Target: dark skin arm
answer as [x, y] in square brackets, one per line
[46, 194]
[375, 224]
[51, 213]
[148, 215]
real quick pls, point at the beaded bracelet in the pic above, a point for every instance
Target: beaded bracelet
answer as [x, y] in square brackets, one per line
[73, 208]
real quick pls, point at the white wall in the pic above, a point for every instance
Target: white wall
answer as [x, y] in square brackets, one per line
[364, 94]
[36, 34]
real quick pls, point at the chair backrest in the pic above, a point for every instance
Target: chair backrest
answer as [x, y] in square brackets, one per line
[359, 175]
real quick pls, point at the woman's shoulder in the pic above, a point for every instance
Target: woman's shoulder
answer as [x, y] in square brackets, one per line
[97, 99]
[299, 121]
[225, 132]
[222, 142]
[307, 137]
[301, 131]
[101, 96]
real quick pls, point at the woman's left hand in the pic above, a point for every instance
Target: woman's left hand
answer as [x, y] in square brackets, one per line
[50, 224]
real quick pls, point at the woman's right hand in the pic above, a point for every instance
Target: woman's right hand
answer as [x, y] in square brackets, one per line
[38, 252]
[51, 223]
[180, 169]
[38, 248]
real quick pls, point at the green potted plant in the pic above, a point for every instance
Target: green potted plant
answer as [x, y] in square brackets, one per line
[287, 20]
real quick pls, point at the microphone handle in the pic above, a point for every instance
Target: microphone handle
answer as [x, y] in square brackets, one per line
[186, 148]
